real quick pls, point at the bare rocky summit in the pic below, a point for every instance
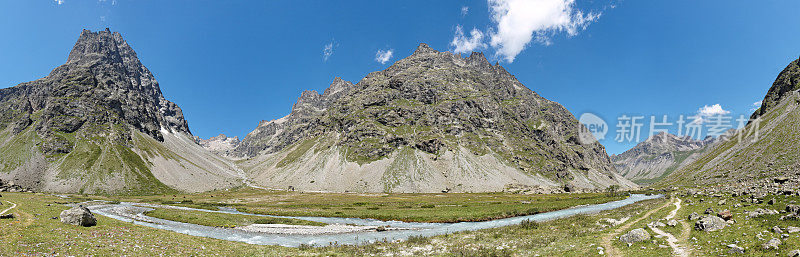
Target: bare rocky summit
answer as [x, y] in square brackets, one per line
[100, 124]
[431, 122]
[221, 144]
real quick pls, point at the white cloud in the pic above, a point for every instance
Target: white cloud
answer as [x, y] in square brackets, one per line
[466, 44]
[327, 50]
[520, 21]
[59, 2]
[464, 10]
[383, 56]
[708, 111]
[756, 105]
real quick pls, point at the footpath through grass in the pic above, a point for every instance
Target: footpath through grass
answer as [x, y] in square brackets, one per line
[215, 219]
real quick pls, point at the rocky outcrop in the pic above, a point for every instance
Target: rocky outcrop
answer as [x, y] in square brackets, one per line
[787, 82]
[100, 124]
[657, 156]
[433, 121]
[78, 216]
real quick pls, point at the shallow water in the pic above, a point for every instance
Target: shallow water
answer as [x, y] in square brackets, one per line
[133, 212]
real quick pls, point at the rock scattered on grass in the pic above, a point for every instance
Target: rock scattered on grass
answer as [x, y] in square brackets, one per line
[735, 248]
[772, 244]
[710, 223]
[78, 216]
[636, 235]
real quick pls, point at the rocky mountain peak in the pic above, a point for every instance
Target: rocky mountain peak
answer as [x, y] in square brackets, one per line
[423, 48]
[787, 81]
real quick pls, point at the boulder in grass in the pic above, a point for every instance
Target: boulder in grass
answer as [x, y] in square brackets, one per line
[772, 244]
[725, 215]
[78, 216]
[794, 253]
[636, 235]
[710, 223]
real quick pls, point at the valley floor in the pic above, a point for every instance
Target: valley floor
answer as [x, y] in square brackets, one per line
[33, 231]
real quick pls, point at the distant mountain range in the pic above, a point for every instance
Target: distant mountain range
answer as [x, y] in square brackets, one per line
[658, 156]
[763, 149]
[100, 125]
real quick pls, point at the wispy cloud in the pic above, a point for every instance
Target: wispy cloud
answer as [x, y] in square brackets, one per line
[327, 50]
[383, 56]
[464, 11]
[466, 44]
[518, 22]
[59, 2]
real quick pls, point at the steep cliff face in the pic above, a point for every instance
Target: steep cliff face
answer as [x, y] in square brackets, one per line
[785, 84]
[433, 121]
[659, 155]
[763, 149]
[99, 124]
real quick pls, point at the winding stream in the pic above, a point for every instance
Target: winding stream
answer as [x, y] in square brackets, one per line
[133, 212]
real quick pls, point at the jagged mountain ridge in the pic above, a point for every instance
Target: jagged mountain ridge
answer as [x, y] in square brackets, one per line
[763, 149]
[100, 124]
[434, 121]
[656, 157]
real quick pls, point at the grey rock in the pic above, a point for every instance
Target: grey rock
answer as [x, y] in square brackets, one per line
[772, 244]
[78, 216]
[672, 223]
[694, 216]
[760, 212]
[710, 223]
[735, 248]
[794, 253]
[636, 235]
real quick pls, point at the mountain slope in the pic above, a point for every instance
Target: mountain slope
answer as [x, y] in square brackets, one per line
[99, 124]
[763, 149]
[659, 155]
[431, 122]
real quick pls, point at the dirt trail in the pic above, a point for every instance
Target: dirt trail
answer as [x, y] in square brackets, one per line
[605, 242]
[677, 249]
[13, 205]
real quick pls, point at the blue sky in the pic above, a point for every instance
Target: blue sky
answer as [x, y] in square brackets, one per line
[230, 64]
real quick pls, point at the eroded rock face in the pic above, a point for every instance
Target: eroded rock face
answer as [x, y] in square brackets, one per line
[710, 224]
[102, 83]
[78, 216]
[636, 235]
